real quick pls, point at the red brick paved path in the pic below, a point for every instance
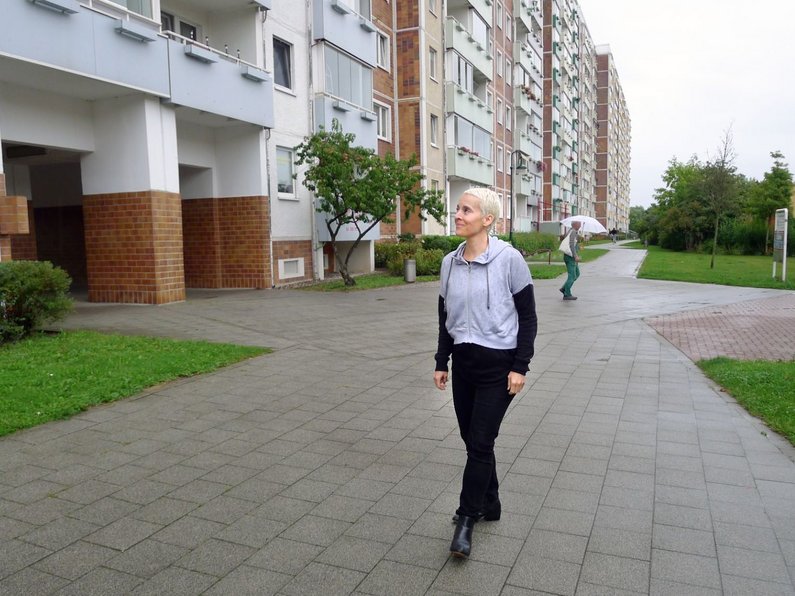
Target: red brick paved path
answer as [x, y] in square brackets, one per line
[752, 330]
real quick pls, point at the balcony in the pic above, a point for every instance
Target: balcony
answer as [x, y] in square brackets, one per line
[353, 119]
[458, 38]
[335, 22]
[83, 54]
[524, 54]
[469, 106]
[462, 163]
[483, 8]
[523, 13]
[527, 102]
[204, 79]
[528, 186]
[95, 55]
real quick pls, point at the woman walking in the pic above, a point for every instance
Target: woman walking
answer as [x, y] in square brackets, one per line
[487, 321]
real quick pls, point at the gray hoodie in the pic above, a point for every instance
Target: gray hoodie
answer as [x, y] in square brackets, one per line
[478, 295]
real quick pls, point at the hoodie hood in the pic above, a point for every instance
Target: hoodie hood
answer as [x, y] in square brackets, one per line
[495, 247]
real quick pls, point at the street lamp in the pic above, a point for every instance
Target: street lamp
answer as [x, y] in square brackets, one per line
[516, 166]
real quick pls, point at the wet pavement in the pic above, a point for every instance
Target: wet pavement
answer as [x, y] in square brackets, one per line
[332, 465]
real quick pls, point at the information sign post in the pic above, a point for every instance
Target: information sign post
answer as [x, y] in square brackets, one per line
[780, 243]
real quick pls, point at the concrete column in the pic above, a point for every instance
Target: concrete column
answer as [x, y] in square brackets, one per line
[131, 204]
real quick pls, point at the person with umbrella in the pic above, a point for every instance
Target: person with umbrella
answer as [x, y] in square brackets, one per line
[569, 247]
[488, 322]
[571, 258]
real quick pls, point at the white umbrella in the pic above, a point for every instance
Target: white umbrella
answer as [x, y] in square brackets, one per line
[589, 224]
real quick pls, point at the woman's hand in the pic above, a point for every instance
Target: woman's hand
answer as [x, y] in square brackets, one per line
[440, 379]
[515, 382]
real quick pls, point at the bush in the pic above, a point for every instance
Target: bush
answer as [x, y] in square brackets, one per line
[530, 242]
[444, 243]
[31, 293]
[429, 262]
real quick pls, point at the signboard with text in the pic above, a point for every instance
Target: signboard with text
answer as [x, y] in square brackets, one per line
[780, 243]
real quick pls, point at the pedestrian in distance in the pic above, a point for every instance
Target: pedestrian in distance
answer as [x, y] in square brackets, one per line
[614, 235]
[571, 257]
[488, 323]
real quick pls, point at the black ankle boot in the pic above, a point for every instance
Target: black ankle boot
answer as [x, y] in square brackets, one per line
[462, 537]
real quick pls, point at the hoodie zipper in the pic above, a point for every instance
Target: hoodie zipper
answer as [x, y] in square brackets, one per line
[469, 318]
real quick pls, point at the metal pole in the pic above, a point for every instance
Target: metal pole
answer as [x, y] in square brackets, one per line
[513, 172]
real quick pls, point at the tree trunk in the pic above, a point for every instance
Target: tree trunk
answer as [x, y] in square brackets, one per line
[343, 267]
[714, 243]
[767, 236]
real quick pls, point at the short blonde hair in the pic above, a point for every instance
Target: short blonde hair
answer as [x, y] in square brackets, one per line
[489, 202]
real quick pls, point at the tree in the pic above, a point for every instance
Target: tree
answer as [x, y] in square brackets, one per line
[679, 220]
[720, 187]
[772, 193]
[354, 186]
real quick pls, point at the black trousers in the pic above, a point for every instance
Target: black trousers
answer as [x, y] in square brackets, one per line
[480, 396]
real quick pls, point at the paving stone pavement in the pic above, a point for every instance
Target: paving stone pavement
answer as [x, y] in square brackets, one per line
[332, 465]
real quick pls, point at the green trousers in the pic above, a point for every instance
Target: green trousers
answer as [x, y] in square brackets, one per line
[574, 272]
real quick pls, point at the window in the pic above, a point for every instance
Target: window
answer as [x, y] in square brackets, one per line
[432, 6]
[499, 15]
[499, 111]
[432, 63]
[435, 185]
[466, 134]
[462, 72]
[188, 30]
[382, 50]
[508, 26]
[508, 72]
[360, 6]
[434, 130]
[175, 24]
[499, 159]
[282, 63]
[142, 7]
[499, 63]
[383, 115]
[489, 98]
[348, 79]
[480, 30]
[284, 170]
[508, 117]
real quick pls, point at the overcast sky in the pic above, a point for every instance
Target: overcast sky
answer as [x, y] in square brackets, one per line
[690, 69]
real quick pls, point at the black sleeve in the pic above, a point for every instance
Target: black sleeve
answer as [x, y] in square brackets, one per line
[445, 347]
[528, 327]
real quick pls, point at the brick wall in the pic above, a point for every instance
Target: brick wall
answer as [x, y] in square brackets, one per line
[23, 246]
[292, 249]
[244, 224]
[13, 220]
[226, 242]
[59, 237]
[202, 251]
[133, 247]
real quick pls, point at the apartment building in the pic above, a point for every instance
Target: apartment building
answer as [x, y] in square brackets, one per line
[528, 91]
[148, 146]
[613, 145]
[419, 97]
[584, 170]
[561, 99]
[132, 140]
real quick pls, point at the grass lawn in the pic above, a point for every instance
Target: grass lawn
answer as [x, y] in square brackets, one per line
[49, 377]
[368, 281]
[730, 270]
[586, 255]
[766, 389]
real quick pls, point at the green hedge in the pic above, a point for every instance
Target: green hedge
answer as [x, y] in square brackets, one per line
[31, 293]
